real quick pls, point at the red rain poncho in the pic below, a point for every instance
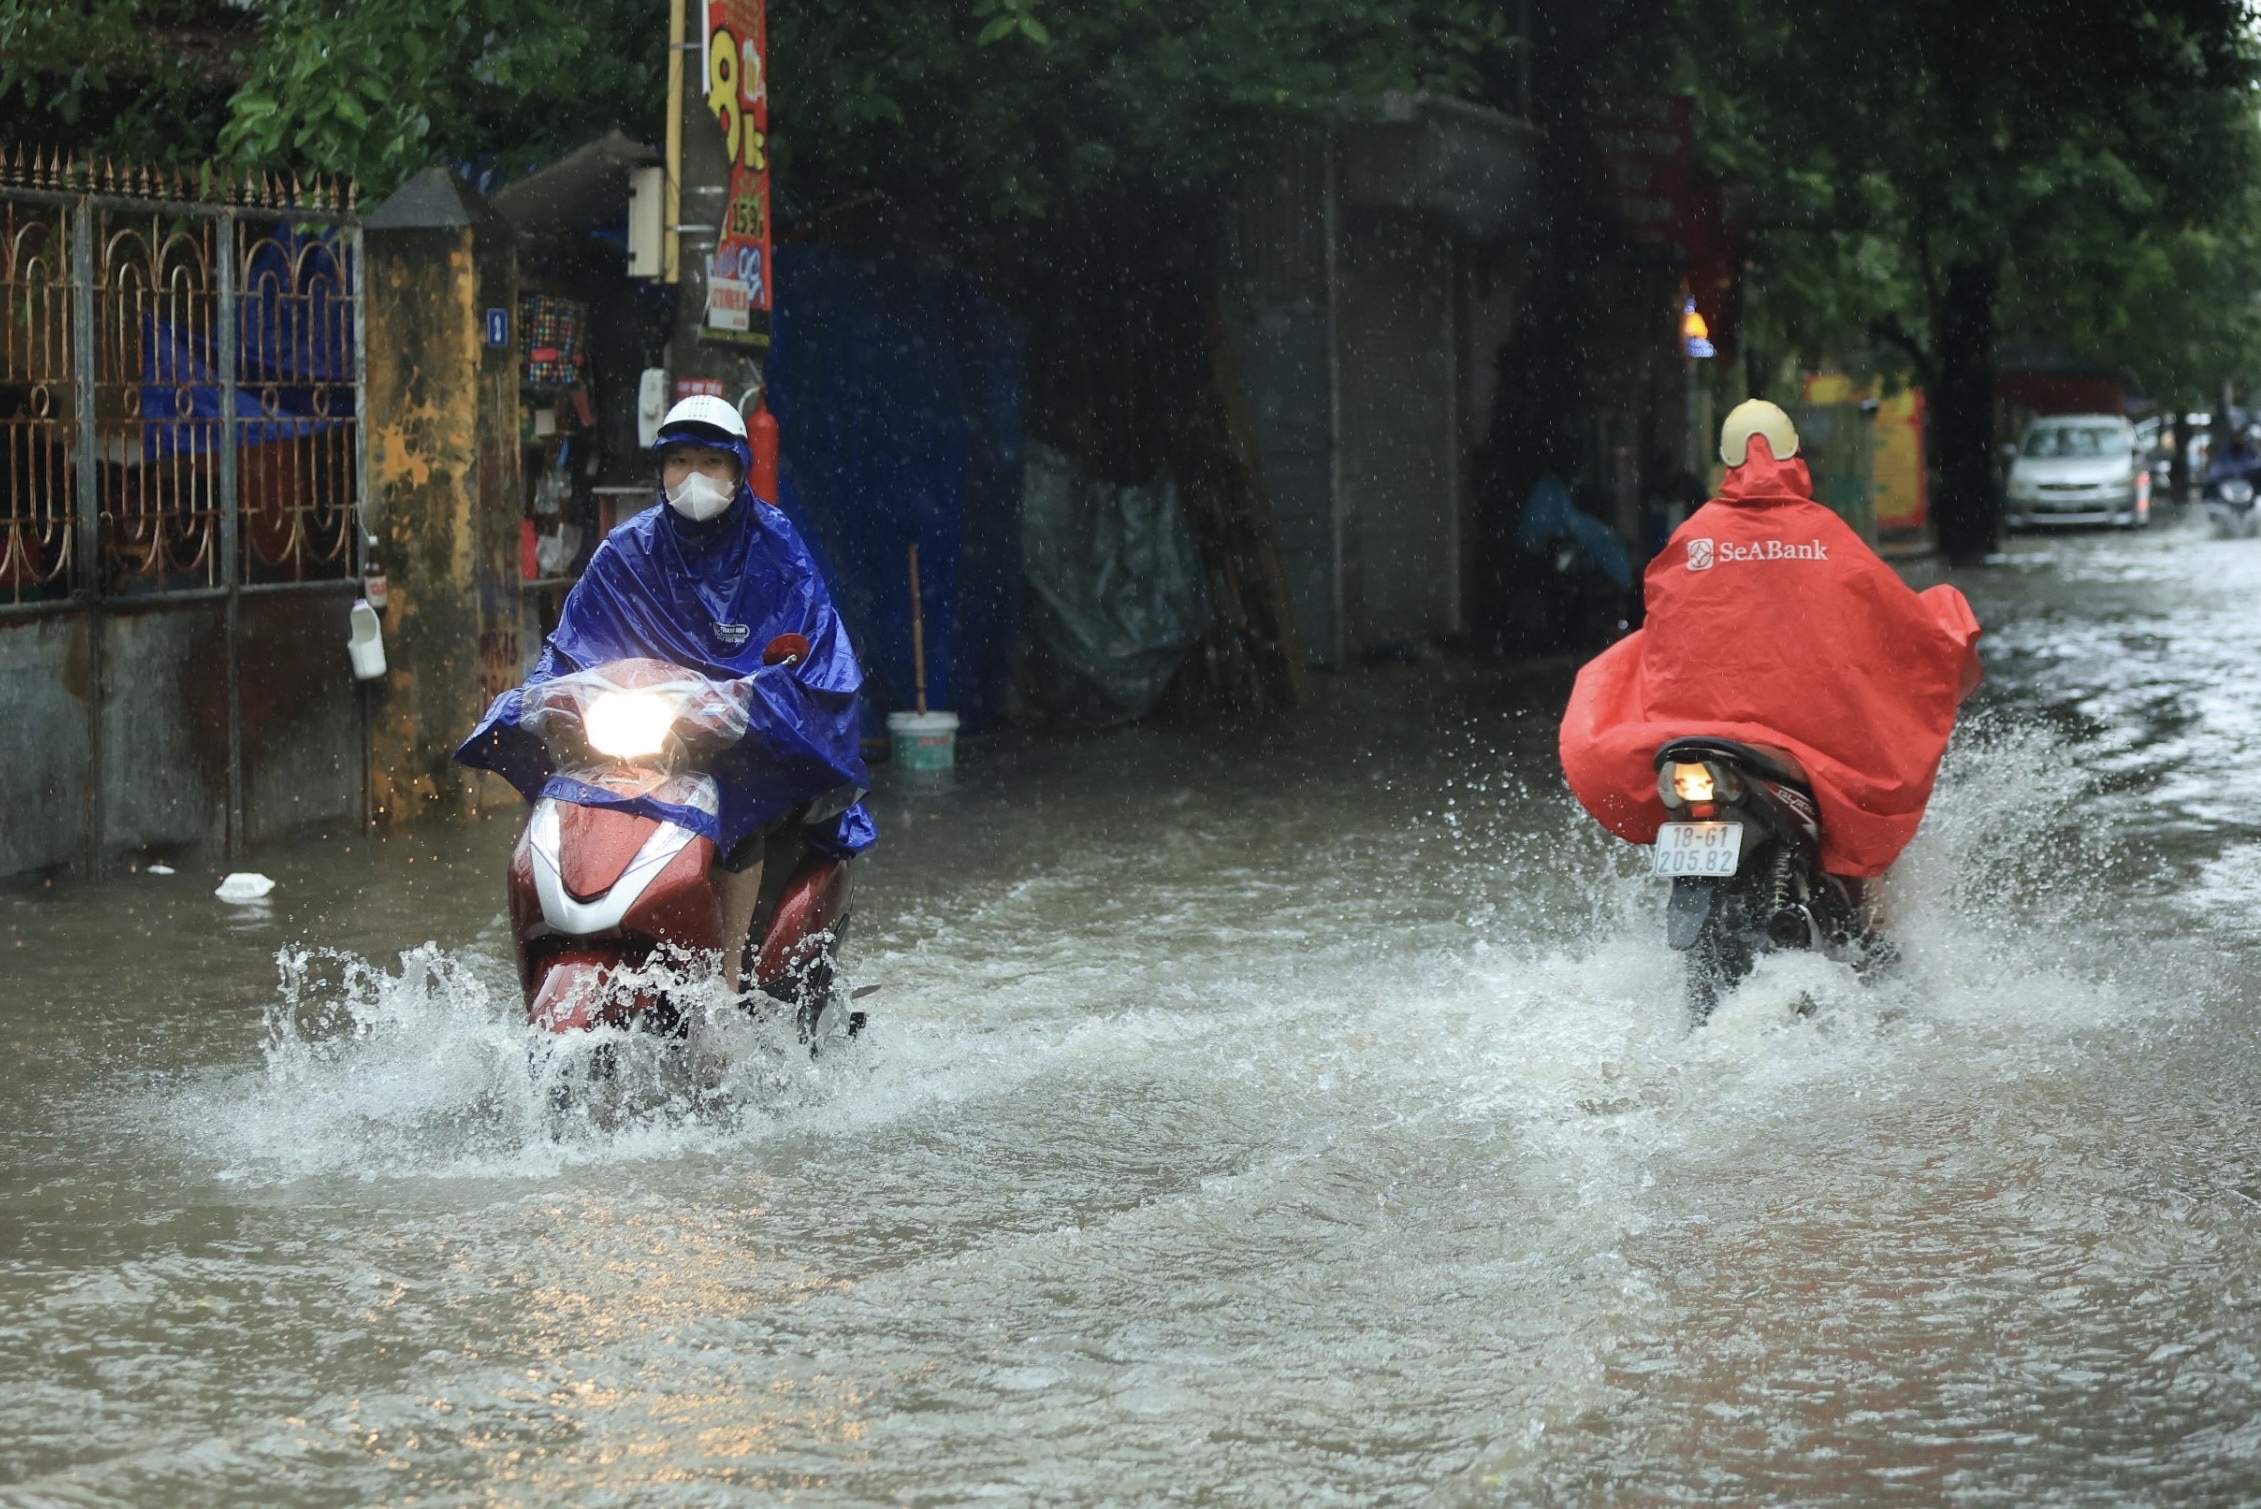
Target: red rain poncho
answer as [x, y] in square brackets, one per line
[1770, 622]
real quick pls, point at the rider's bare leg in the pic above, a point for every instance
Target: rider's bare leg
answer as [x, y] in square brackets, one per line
[1875, 902]
[740, 892]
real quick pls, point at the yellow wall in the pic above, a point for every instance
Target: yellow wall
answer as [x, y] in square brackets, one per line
[443, 465]
[1898, 490]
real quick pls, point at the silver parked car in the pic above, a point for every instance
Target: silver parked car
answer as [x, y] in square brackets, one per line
[2079, 469]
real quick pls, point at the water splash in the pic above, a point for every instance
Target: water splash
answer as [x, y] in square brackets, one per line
[432, 1069]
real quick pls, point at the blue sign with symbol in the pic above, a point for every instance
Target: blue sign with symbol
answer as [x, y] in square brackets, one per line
[498, 328]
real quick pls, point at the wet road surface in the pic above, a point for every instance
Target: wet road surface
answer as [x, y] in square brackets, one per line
[1280, 1123]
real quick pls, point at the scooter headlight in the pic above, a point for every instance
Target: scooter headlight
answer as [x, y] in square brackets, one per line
[2236, 491]
[629, 725]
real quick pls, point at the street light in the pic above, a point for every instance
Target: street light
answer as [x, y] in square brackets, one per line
[1695, 335]
[1695, 346]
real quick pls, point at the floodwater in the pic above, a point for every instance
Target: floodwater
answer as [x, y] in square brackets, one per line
[1280, 1122]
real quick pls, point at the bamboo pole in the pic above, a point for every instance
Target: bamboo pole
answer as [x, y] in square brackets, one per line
[918, 632]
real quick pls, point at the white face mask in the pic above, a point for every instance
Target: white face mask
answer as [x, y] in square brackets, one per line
[699, 497]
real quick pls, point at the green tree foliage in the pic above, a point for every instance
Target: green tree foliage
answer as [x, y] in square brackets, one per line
[1001, 109]
[1927, 167]
[378, 90]
[2176, 307]
[1011, 109]
[371, 89]
[145, 79]
[1890, 143]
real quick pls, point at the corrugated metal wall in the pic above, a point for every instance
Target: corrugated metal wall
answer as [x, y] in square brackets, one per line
[1349, 323]
[1398, 353]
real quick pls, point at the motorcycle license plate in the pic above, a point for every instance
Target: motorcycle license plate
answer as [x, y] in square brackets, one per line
[1697, 849]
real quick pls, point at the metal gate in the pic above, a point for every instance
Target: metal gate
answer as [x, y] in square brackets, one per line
[182, 442]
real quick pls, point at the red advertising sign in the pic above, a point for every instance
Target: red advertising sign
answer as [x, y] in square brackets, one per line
[1643, 151]
[737, 79]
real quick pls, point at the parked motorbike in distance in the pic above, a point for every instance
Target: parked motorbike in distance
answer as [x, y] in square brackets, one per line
[1743, 852]
[2229, 507]
[613, 912]
[2233, 471]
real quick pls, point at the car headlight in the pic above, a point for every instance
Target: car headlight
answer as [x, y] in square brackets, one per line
[2022, 489]
[629, 725]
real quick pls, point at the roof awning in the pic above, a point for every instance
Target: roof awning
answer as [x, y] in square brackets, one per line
[587, 189]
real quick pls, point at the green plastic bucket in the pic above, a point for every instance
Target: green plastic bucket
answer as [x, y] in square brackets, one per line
[924, 742]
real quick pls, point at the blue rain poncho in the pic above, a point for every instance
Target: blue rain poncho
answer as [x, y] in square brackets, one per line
[710, 597]
[1549, 515]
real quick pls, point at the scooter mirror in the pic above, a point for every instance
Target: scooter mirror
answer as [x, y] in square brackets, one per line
[786, 649]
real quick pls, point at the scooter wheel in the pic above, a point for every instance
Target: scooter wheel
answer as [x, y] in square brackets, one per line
[1716, 965]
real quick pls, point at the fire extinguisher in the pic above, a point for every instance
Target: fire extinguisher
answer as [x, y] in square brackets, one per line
[761, 439]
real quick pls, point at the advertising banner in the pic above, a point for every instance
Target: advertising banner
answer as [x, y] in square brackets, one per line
[1643, 154]
[736, 53]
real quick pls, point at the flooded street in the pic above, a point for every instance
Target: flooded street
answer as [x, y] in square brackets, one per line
[1286, 1122]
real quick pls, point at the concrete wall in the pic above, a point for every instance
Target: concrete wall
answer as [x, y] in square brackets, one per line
[45, 753]
[304, 755]
[444, 475]
[165, 729]
[159, 788]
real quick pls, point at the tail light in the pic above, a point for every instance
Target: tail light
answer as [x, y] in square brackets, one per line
[1696, 783]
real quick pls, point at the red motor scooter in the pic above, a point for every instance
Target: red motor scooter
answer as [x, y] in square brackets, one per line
[600, 896]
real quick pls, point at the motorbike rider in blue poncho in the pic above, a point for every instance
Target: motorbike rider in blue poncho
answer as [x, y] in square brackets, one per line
[706, 582]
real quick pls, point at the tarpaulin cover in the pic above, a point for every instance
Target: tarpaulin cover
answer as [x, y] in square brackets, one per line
[294, 353]
[897, 389]
[709, 598]
[1770, 622]
[1115, 587]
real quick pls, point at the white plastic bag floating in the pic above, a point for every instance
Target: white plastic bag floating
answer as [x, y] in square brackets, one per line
[244, 886]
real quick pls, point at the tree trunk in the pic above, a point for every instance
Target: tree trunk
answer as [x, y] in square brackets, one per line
[1969, 514]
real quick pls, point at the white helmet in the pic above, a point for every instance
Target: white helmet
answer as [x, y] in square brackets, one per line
[1755, 416]
[703, 411]
[704, 420]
